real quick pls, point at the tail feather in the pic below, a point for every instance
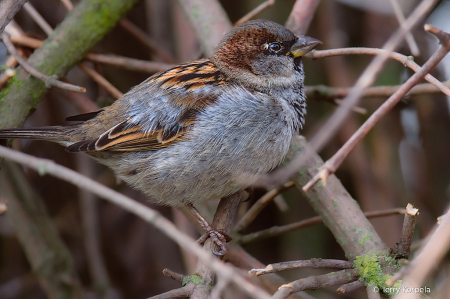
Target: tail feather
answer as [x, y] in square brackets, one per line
[57, 133]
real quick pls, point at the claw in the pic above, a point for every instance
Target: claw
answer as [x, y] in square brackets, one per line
[219, 237]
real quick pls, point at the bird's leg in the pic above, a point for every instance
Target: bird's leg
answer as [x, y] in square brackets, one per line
[218, 236]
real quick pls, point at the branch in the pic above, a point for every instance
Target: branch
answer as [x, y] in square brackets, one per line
[404, 246]
[183, 292]
[130, 63]
[409, 37]
[316, 282]
[49, 81]
[240, 258]
[308, 264]
[101, 80]
[301, 15]
[175, 276]
[255, 11]
[82, 29]
[36, 16]
[209, 20]
[350, 287]
[259, 205]
[8, 9]
[334, 162]
[278, 230]
[151, 216]
[322, 92]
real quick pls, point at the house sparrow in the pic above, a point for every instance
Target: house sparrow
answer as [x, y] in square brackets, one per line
[204, 129]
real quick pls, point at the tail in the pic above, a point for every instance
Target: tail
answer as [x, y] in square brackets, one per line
[56, 134]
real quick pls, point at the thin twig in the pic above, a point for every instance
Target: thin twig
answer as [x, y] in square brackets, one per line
[8, 9]
[301, 15]
[183, 292]
[405, 60]
[282, 175]
[68, 4]
[316, 282]
[334, 162]
[141, 36]
[259, 205]
[278, 230]
[49, 81]
[44, 166]
[175, 276]
[101, 80]
[409, 37]
[307, 264]
[319, 92]
[220, 286]
[403, 247]
[36, 16]
[350, 287]
[130, 63]
[255, 11]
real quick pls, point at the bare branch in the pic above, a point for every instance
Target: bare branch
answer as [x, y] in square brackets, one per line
[36, 16]
[317, 282]
[404, 246]
[409, 37]
[175, 276]
[209, 20]
[183, 292]
[101, 80]
[301, 15]
[49, 81]
[292, 265]
[130, 63]
[327, 93]
[255, 11]
[258, 206]
[332, 164]
[8, 9]
[430, 255]
[350, 287]
[44, 166]
[141, 36]
[278, 230]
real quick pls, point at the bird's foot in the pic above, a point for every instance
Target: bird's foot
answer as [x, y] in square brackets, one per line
[219, 237]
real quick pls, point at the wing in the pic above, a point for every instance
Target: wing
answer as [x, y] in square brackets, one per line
[160, 110]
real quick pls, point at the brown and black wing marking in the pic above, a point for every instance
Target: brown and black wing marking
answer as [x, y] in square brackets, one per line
[163, 109]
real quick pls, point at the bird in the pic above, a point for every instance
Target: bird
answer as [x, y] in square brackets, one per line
[201, 130]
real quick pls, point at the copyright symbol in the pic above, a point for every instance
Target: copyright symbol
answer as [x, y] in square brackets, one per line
[376, 289]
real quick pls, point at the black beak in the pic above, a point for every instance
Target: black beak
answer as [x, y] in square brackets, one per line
[303, 45]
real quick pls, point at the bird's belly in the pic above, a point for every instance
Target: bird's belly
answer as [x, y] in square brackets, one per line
[190, 172]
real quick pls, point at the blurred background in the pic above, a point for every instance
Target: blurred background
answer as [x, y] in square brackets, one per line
[404, 159]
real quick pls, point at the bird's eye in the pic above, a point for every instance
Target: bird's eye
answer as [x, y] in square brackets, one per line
[274, 48]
